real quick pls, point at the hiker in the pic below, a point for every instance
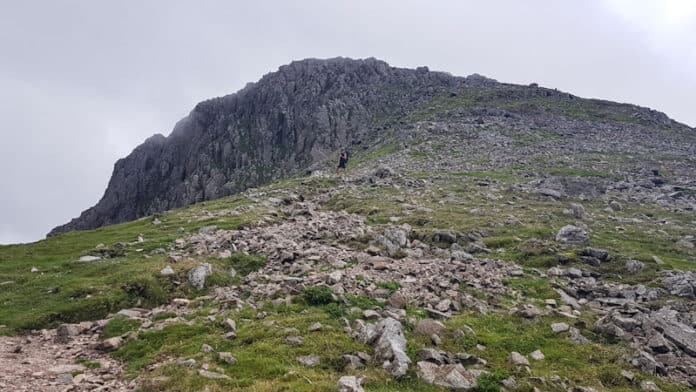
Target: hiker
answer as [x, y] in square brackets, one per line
[343, 160]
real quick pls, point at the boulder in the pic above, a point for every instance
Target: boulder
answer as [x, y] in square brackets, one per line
[454, 377]
[430, 355]
[111, 344]
[572, 235]
[681, 284]
[384, 172]
[198, 274]
[560, 327]
[89, 259]
[350, 384]
[389, 344]
[65, 332]
[518, 359]
[446, 236]
[682, 335]
[309, 360]
[229, 325]
[578, 210]
[429, 327]
[599, 254]
[634, 266]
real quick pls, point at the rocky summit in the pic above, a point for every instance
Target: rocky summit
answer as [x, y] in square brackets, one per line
[483, 237]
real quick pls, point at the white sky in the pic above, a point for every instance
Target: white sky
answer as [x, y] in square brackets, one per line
[84, 82]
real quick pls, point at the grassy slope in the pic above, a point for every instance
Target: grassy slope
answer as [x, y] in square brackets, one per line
[65, 290]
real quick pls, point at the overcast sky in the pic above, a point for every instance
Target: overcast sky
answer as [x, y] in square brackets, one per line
[84, 82]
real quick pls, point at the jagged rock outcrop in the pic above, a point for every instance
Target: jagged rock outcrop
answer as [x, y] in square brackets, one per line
[288, 120]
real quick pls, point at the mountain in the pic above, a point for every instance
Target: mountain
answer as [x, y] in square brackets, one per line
[295, 118]
[484, 237]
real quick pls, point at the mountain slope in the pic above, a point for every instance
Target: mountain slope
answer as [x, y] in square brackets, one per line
[295, 118]
[285, 122]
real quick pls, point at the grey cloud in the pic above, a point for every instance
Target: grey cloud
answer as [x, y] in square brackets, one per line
[83, 82]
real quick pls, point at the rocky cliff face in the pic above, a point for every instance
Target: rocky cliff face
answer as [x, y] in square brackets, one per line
[288, 120]
[301, 115]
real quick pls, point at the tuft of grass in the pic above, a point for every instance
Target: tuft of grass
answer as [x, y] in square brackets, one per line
[490, 382]
[317, 295]
[89, 364]
[391, 285]
[118, 326]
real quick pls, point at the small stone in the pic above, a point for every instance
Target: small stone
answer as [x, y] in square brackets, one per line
[658, 344]
[572, 235]
[430, 355]
[111, 344]
[227, 357]
[551, 302]
[206, 348]
[398, 300]
[335, 277]
[64, 378]
[34, 269]
[352, 362]
[647, 385]
[444, 305]
[131, 314]
[537, 355]
[309, 360]
[435, 339]
[207, 229]
[530, 312]
[370, 314]
[229, 325]
[578, 210]
[167, 271]
[212, 375]
[350, 384]
[628, 375]
[198, 274]
[230, 335]
[189, 363]
[66, 332]
[518, 359]
[560, 327]
[634, 266]
[294, 340]
[181, 302]
[62, 369]
[315, 327]
[428, 327]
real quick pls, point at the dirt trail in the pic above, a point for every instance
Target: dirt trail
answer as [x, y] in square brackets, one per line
[36, 362]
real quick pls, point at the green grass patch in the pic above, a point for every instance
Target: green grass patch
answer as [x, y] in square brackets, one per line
[66, 290]
[89, 364]
[118, 326]
[391, 285]
[317, 295]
